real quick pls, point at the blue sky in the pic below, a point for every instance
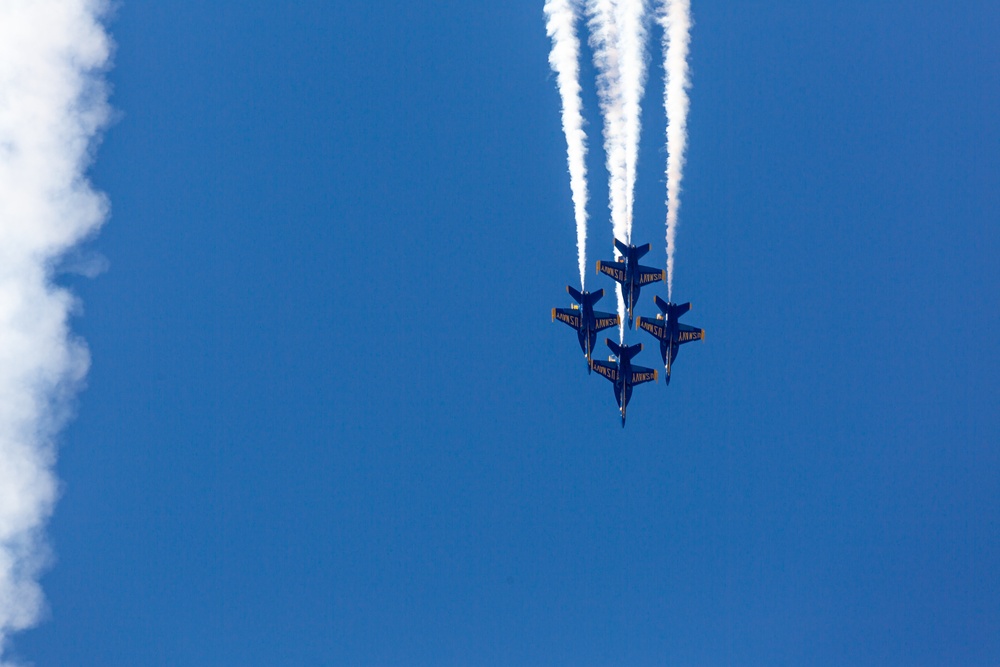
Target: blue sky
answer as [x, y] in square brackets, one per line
[329, 420]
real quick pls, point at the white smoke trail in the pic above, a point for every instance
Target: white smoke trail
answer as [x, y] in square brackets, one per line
[632, 33]
[618, 37]
[52, 105]
[676, 21]
[561, 18]
[604, 42]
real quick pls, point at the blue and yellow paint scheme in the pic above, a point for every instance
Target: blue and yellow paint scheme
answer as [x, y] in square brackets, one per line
[622, 373]
[671, 333]
[630, 274]
[584, 319]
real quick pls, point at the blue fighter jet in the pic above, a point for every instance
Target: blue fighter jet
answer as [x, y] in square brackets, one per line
[622, 373]
[585, 319]
[630, 274]
[671, 333]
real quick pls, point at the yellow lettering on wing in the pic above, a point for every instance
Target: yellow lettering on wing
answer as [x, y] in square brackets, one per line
[616, 273]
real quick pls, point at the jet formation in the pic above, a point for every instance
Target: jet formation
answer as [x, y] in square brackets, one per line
[665, 327]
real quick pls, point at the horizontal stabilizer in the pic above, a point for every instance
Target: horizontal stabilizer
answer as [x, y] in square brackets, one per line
[624, 352]
[672, 310]
[636, 251]
[585, 298]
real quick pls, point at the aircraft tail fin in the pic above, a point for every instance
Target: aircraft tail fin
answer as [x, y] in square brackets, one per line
[681, 309]
[639, 250]
[624, 352]
[594, 297]
[585, 298]
[672, 310]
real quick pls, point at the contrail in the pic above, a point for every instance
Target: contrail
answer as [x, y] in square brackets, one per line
[618, 37]
[675, 18]
[561, 18]
[52, 106]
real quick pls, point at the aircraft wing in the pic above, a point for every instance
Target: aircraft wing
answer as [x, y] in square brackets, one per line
[688, 334]
[648, 275]
[606, 368]
[614, 269]
[653, 327]
[567, 315]
[605, 321]
[641, 374]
